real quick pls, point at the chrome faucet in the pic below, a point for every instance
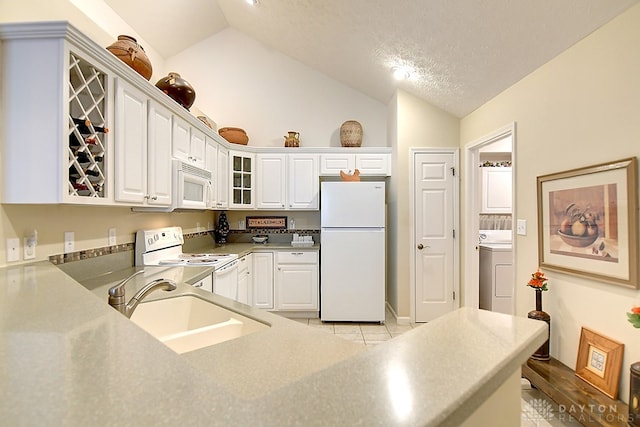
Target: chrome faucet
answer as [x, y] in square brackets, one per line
[117, 298]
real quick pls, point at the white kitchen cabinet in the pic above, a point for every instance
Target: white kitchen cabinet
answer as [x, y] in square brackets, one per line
[206, 283]
[47, 157]
[333, 163]
[241, 188]
[159, 179]
[287, 181]
[496, 190]
[188, 143]
[245, 283]
[303, 184]
[211, 164]
[222, 174]
[263, 280]
[142, 154]
[271, 180]
[371, 163]
[297, 281]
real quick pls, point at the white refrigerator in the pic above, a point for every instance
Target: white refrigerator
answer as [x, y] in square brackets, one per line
[352, 251]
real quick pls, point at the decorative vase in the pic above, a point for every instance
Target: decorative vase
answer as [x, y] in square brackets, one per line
[178, 89]
[634, 395]
[541, 353]
[131, 53]
[292, 140]
[222, 229]
[234, 135]
[351, 134]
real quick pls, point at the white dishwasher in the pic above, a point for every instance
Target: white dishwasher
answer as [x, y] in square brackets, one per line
[225, 280]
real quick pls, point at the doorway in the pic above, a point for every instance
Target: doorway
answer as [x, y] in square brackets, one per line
[473, 201]
[434, 221]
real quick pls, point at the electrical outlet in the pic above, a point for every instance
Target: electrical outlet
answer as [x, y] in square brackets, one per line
[521, 227]
[112, 236]
[30, 241]
[197, 227]
[13, 250]
[69, 242]
[29, 248]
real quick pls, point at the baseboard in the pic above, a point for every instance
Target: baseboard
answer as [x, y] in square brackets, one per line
[399, 320]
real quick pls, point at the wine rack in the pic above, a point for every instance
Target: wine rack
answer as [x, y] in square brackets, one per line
[87, 129]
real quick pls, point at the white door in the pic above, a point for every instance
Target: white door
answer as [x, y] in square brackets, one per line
[272, 181]
[304, 182]
[434, 223]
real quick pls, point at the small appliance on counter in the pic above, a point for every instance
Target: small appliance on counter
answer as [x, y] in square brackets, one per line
[301, 241]
[163, 247]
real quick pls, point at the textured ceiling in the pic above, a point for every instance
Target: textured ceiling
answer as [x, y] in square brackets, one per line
[462, 52]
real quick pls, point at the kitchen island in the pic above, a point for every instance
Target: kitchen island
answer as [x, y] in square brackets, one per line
[70, 359]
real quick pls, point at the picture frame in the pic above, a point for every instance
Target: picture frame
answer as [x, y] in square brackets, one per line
[599, 361]
[266, 222]
[588, 221]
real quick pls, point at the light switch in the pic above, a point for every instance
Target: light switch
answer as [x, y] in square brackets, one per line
[13, 253]
[521, 227]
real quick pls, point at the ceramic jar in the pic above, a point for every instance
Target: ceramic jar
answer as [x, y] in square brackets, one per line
[292, 140]
[178, 89]
[131, 53]
[351, 134]
[234, 135]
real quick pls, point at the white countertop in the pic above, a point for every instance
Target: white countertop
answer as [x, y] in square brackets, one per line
[70, 359]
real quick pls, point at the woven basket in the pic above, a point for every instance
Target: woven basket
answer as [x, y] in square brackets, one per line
[351, 134]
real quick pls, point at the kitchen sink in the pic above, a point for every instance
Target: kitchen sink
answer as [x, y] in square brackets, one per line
[187, 322]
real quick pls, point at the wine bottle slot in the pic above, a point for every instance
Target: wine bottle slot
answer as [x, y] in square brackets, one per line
[80, 187]
[85, 126]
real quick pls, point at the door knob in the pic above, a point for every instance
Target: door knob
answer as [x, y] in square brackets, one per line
[420, 246]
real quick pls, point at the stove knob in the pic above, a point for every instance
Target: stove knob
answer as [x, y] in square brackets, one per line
[150, 241]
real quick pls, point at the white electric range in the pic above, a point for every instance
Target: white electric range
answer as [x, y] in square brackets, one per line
[163, 247]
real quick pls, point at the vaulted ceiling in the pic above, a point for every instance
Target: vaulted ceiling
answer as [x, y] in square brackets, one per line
[459, 53]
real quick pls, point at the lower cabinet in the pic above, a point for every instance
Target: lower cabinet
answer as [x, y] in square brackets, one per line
[245, 268]
[297, 280]
[263, 280]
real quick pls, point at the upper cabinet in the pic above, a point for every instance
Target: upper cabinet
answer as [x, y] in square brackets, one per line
[287, 181]
[55, 118]
[496, 190]
[241, 189]
[370, 163]
[84, 128]
[189, 143]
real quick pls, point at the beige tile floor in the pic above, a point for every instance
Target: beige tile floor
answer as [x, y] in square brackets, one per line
[363, 333]
[537, 409]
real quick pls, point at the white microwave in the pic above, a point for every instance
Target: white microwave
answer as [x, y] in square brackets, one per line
[192, 188]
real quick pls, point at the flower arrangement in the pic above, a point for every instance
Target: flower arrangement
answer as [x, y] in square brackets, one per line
[634, 316]
[538, 281]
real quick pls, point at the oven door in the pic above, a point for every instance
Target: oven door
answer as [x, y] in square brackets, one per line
[225, 280]
[192, 186]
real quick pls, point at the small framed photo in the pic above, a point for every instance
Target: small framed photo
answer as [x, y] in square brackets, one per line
[599, 362]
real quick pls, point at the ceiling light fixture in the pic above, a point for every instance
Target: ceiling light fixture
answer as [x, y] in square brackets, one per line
[252, 2]
[400, 73]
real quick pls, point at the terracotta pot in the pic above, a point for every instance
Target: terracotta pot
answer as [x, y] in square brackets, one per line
[234, 135]
[178, 89]
[351, 134]
[131, 53]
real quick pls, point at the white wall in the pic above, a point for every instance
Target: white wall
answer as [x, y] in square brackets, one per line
[241, 83]
[418, 124]
[577, 110]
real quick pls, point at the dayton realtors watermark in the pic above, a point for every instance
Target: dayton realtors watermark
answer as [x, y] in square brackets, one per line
[586, 414]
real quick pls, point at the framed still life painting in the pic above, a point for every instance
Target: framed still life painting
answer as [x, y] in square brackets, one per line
[587, 222]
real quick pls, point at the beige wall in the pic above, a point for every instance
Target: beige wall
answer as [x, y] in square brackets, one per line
[577, 110]
[419, 124]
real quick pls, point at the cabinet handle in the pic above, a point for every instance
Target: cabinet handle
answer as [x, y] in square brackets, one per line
[146, 196]
[154, 197]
